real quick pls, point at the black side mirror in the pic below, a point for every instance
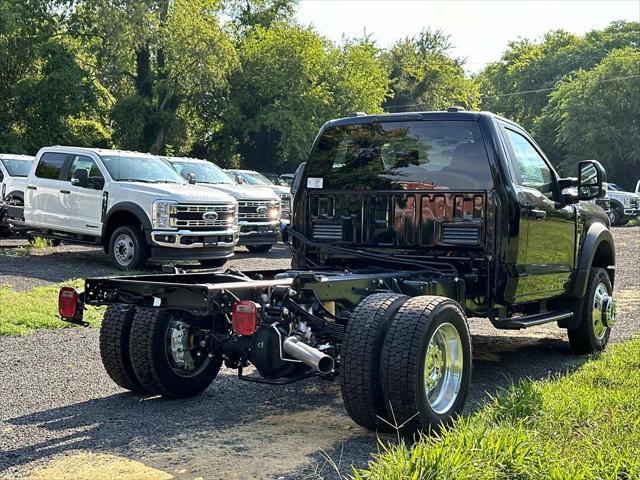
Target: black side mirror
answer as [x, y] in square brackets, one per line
[591, 180]
[297, 178]
[80, 178]
[191, 178]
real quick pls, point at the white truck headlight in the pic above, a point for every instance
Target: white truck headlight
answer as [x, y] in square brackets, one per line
[161, 213]
[627, 202]
[274, 211]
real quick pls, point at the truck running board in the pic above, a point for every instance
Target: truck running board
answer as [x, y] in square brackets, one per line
[518, 323]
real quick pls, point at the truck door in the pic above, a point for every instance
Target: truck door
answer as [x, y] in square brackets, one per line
[84, 202]
[549, 224]
[45, 192]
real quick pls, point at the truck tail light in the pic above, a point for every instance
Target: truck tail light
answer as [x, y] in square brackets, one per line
[68, 302]
[244, 317]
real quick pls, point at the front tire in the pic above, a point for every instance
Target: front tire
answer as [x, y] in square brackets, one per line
[592, 334]
[166, 359]
[360, 360]
[426, 364]
[114, 347]
[616, 217]
[128, 248]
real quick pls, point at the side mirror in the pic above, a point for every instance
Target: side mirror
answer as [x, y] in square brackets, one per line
[591, 180]
[191, 178]
[297, 178]
[80, 178]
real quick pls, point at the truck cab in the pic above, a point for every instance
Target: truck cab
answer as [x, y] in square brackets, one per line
[467, 188]
[134, 205]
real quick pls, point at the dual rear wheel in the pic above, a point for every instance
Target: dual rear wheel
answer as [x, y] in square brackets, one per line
[406, 362]
[149, 351]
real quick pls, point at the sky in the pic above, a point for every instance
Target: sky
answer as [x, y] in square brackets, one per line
[480, 30]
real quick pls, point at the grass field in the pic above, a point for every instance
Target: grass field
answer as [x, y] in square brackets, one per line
[585, 425]
[23, 312]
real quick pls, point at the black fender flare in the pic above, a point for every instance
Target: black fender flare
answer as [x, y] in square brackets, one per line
[597, 236]
[128, 207]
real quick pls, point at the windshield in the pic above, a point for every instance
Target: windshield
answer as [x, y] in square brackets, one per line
[253, 178]
[204, 172]
[149, 169]
[17, 167]
[614, 187]
[400, 155]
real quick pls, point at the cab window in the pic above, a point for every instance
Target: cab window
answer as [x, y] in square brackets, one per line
[50, 165]
[531, 169]
[81, 162]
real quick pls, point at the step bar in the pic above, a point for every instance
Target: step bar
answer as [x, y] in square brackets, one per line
[518, 323]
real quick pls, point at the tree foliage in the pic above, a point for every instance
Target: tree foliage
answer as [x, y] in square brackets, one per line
[425, 77]
[291, 82]
[598, 111]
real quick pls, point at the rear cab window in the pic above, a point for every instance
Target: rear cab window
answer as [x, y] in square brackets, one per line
[414, 155]
[51, 165]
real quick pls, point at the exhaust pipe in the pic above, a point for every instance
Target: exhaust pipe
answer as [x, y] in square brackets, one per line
[308, 355]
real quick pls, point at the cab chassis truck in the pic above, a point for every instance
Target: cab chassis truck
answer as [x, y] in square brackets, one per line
[394, 246]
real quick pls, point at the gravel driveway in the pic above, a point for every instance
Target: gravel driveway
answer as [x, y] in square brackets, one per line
[57, 400]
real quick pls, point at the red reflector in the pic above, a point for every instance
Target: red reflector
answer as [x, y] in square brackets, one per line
[244, 317]
[68, 302]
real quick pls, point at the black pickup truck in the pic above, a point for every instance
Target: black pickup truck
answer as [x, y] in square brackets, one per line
[404, 225]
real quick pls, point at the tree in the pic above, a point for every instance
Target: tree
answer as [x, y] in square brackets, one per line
[247, 14]
[164, 61]
[598, 113]
[291, 82]
[520, 84]
[424, 77]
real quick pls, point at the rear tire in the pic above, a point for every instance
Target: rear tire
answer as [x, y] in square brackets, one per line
[128, 248]
[360, 360]
[426, 364]
[150, 358]
[259, 248]
[591, 335]
[114, 347]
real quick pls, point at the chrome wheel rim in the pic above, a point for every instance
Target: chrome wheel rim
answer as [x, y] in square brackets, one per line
[185, 355]
[599, 327]
[443, 366]
[124, 249]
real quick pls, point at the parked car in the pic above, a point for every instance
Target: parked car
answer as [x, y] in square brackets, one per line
[258, 208]
[133, 204]
[405, 226]
[256, 179]
[13, 176]
[624, 205]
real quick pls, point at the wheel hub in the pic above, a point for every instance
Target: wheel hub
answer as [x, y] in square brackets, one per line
[124, 249]
[603, 314]
[443, 366]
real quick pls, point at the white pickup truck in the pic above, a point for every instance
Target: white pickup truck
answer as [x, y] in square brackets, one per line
[258, 208]
[13, 176]
[133, 204]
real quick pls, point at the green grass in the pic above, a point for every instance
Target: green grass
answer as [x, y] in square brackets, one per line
[585, 425]
[23, 312]
[39, 243]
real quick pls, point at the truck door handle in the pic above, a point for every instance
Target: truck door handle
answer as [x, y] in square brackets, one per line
[537, 214]
[66, 192]
[31, 187]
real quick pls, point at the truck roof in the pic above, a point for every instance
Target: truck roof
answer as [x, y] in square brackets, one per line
[186, 159]
[409, 116]
[16, 156]
[98, 151]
